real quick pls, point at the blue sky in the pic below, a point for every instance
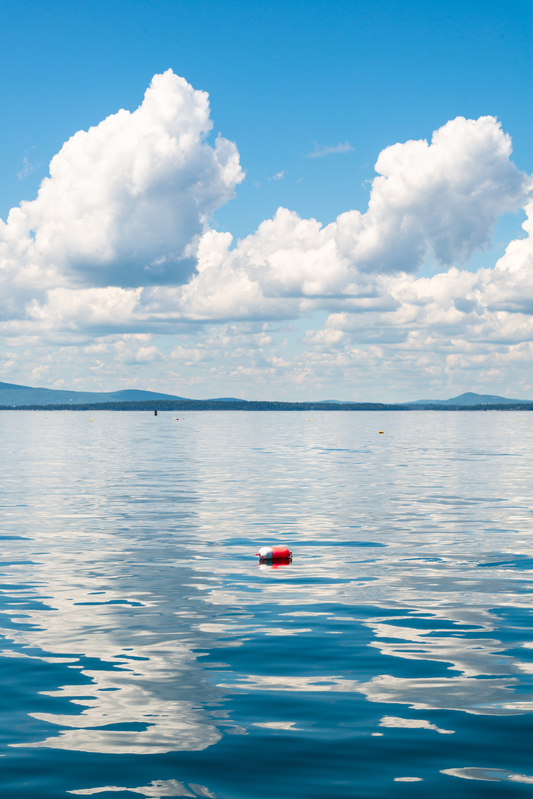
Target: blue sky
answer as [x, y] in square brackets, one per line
[285, 81]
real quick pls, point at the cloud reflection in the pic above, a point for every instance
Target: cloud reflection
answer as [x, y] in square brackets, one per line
[142, 563]
[485, 697]
[156, 790]
[487, 774]
[414, 724]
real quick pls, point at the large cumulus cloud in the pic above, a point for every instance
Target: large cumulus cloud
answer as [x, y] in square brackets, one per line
[118, 243]
[443, 197]
[125, 198]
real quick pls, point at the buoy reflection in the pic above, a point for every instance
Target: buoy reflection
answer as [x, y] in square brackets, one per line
[274, 564]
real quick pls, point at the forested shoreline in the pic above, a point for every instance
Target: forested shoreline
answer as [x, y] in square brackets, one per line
[243, 405]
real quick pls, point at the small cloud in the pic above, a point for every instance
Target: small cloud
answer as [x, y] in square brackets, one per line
[92, 349]
[278, 175]
[257, 184]
[148, 354]
[27, 168]
[329, 150]
[299, 180]
[40, 372]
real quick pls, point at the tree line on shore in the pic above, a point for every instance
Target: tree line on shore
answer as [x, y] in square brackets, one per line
[266, 405]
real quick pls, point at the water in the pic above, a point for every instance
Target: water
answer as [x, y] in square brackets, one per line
[146, 652]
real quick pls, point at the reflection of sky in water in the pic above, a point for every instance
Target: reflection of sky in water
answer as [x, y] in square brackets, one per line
[156, 790]
[487, 774]
[128, 565]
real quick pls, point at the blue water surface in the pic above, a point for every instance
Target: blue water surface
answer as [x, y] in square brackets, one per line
[146, 652]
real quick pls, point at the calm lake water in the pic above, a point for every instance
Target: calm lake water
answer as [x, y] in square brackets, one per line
[145, 651]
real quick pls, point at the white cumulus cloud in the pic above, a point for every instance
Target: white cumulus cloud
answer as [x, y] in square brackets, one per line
[118, 243]
[443, 197]
[126, 197]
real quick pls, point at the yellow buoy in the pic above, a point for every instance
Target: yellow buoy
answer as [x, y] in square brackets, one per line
[381, 431]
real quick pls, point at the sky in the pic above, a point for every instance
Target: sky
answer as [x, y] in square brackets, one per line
[295, 201]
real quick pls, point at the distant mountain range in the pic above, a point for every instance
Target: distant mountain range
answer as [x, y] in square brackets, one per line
[469, 398]
[13, 395]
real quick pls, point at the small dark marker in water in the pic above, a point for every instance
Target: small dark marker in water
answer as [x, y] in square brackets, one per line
[155, 413]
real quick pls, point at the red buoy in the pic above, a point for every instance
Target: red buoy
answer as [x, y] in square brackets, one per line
[274, 553]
